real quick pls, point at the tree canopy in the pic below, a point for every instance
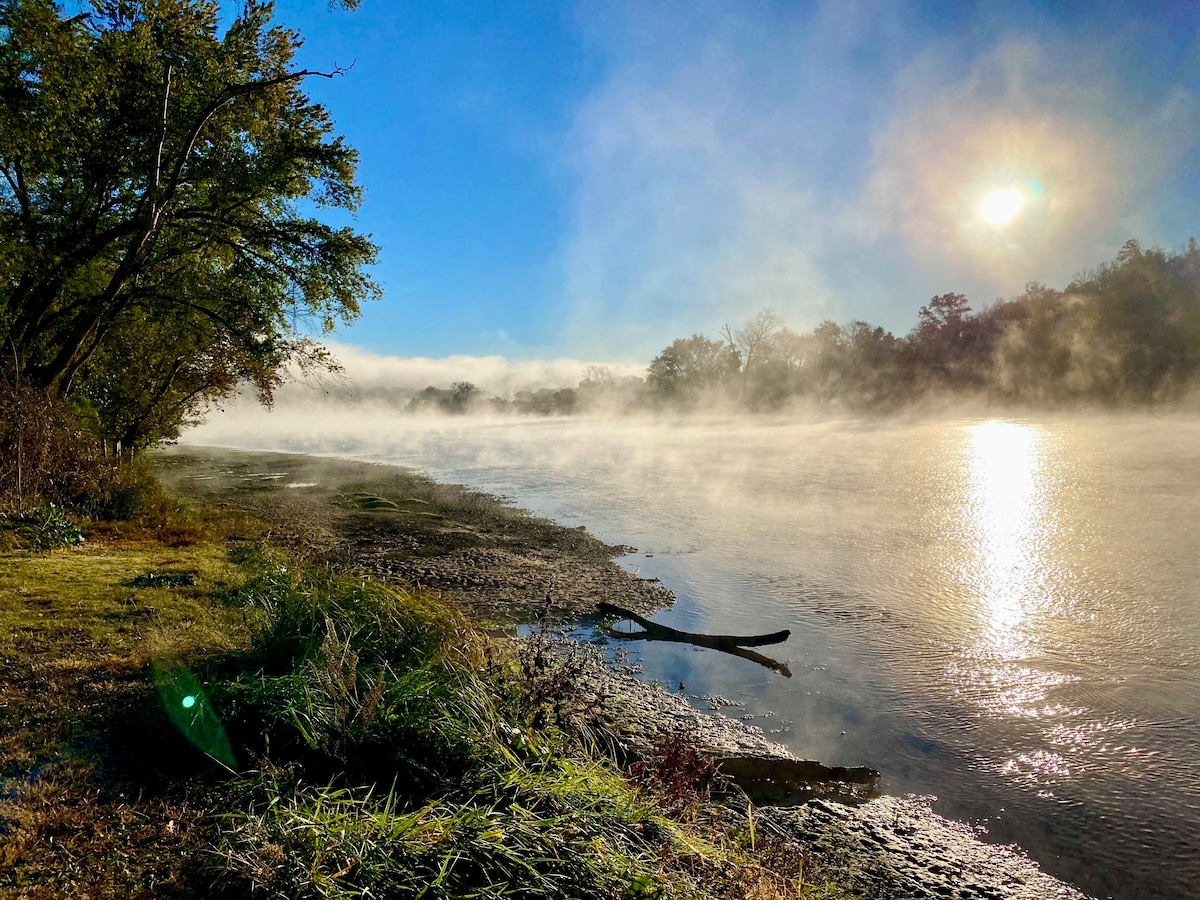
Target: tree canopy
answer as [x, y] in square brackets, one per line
[159, 233]
[691, 365]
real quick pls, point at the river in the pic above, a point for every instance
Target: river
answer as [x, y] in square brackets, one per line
[1003, 614]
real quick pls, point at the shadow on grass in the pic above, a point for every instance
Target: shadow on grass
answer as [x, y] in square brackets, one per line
[136, 746]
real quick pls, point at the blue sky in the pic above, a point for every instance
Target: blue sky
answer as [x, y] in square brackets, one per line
[592, 180]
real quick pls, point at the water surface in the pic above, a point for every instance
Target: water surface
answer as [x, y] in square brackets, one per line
[1001, 613]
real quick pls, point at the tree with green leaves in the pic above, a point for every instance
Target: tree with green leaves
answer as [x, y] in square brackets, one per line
[159, 243]
[691, 366]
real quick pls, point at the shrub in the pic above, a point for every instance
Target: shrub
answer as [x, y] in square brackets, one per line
[45, 453]
[679, 771]
[43, 527]
[355, 679]
[128, 493]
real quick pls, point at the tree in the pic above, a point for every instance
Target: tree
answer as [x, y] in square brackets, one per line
[596, 386]
[150, 375]
[942, 320]
[597, 379]
[751, 340]
[155, 204]
[952, 344]
[828, 361]
[462, 395]
[691, 365]
[1142, 317]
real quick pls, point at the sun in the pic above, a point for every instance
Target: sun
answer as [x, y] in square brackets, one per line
[1000, 207]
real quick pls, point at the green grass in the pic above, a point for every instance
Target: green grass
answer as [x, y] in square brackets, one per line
[91, 806]
[402, 763]
[557, 829]
[81, 600]
[182, 715]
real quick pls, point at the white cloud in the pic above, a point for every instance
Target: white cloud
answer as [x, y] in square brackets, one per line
[700, 161]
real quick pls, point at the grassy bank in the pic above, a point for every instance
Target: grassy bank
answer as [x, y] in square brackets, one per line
[186, 710]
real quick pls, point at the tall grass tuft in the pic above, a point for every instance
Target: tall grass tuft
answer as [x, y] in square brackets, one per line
[354, 679]
[554, 830]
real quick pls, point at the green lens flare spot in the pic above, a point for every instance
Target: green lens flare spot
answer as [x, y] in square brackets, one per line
[184, 702]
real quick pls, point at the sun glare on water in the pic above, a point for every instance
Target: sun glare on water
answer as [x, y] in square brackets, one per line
[1000, 207]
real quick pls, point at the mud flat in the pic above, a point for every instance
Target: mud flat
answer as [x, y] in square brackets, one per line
[505, 567]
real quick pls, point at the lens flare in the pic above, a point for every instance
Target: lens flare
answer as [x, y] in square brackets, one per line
[185, 703]
[1001, 206]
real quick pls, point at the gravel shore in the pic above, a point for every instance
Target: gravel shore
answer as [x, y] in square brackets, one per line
[498, 563]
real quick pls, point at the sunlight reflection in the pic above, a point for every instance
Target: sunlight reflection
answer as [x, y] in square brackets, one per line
[1040, 768]
[1097, 737]
[1006, 529]
[1003, 525]
[1006, 512]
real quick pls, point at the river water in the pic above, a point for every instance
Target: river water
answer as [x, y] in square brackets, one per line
[1004, 614]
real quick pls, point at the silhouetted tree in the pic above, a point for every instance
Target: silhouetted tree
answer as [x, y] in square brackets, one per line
[751, 340]
[950, 344]
[598, 378]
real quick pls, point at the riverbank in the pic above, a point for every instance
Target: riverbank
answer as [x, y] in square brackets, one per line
[399, 525]
[496, 562]
[193, 705]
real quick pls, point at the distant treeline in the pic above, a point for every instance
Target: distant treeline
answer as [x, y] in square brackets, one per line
[1127, 333]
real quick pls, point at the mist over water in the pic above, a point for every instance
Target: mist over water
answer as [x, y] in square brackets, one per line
[1003, 614]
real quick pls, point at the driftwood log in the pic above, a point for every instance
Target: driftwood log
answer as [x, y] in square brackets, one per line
[790, 782]
[727, 643]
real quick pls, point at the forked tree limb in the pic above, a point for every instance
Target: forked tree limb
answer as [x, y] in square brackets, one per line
[734, 645]
[656, 632]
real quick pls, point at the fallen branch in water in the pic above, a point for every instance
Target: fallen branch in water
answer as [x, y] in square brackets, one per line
[726, 643]
[656, 632]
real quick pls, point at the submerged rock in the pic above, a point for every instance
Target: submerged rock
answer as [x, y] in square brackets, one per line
[642, 716]
[776, 781]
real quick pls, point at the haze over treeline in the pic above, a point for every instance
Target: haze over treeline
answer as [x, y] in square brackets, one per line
[1124, 334]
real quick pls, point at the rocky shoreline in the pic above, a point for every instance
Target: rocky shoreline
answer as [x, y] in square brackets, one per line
[506, 567]
[498, 563]
[880, 847]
